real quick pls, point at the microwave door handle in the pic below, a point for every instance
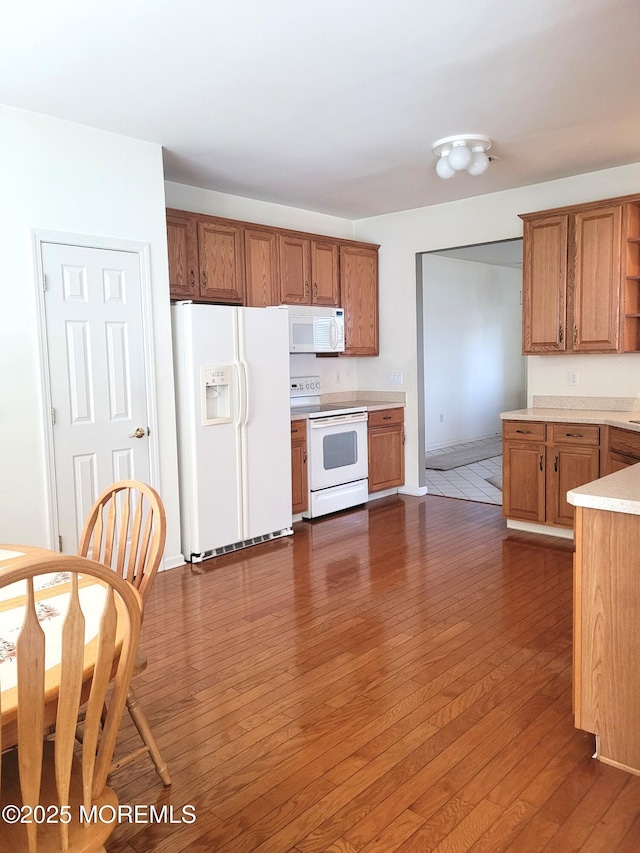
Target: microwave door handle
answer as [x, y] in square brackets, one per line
[333, 331]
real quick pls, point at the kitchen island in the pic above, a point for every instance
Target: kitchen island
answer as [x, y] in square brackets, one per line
[606, 651]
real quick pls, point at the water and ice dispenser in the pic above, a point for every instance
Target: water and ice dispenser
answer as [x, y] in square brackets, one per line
[217, 394]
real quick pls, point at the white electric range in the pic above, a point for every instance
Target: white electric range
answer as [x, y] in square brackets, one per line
[336, 448]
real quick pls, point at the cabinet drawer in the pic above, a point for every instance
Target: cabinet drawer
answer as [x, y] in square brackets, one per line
[575, 434]
[523, 431]
[386, 417]
[299, 428]
[624, 441]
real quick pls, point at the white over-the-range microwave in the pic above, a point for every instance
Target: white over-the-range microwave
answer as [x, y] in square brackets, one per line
[314, 328]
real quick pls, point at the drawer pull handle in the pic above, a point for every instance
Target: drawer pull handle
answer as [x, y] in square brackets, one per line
[525, 431]
[386, 417]
[293, 430]
[574, 434]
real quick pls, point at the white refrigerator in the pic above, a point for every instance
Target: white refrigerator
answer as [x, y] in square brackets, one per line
[234, 435]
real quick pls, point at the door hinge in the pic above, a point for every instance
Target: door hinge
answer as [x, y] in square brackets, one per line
[53, 416]
[60, 544]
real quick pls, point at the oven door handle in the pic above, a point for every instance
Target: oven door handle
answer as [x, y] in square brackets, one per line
[336, 420]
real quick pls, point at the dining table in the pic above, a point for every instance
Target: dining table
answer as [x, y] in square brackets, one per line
[52, 591]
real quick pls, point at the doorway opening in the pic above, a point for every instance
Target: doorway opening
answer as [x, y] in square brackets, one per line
[470, 349]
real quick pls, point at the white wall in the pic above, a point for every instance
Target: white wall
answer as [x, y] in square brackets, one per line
[64, 177]
[598, 375]
[482, 219]
[473, 363]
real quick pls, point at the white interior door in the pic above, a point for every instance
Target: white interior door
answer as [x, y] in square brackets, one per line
[95, 345]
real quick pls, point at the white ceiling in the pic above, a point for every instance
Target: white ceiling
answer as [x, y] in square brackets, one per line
[333, 105]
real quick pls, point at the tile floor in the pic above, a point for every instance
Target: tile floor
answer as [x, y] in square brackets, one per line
[469, 481]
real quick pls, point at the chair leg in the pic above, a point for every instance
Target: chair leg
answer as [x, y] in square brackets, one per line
[142, 724]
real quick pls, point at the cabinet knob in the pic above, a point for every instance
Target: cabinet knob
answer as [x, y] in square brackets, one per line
[193, 278]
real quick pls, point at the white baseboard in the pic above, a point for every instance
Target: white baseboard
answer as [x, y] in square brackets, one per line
[172, 562]
[531, 527]
[414, 491]
[444, 444]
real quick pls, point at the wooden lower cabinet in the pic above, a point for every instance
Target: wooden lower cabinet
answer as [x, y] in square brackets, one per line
[623, 449]
[606, 646]
[386, 449]
[541, 463]
[523, 481]
[299, 476]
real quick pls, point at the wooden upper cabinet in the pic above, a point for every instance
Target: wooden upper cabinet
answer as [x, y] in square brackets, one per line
[261, 267]
[295, 269]
[544, 284]
[182, 242]
[595, 282]
[324, 273]
[308, 270]
[575, 262]
[359, 297]
[221, 262]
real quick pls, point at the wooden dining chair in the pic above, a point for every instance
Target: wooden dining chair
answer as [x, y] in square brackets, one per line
[48, 778]
[126, 530]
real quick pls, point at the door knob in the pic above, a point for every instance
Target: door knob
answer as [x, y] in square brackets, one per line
[139, 433]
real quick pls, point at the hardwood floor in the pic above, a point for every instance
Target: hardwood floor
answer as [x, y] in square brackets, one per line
[395, 678]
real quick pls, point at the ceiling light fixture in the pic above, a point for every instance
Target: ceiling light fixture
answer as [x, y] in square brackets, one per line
[463, 151]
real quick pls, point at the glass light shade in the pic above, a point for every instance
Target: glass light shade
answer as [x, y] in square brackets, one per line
[443, 168]
[459, 156]
[479, 161]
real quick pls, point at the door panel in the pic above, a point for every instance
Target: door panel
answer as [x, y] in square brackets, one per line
[94, 328]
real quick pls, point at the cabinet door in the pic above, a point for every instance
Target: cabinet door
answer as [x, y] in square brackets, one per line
[568, 468]
[595, 279]
[324, 273]
[299, 476]
[523, 490]
[359, 297]
[295, 269]
[261, 268]
[182, 244]
[617, 462]
[544, 284]
[386, 458]
[221, 262]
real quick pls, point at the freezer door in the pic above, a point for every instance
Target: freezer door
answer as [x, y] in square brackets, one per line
[209, 455]
[266, 420]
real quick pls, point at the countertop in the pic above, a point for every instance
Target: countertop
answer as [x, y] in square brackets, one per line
[369, 404]
[618, 492]
[576, 416]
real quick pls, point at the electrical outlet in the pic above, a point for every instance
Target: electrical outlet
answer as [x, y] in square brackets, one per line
[396, 379]
[573, 377]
